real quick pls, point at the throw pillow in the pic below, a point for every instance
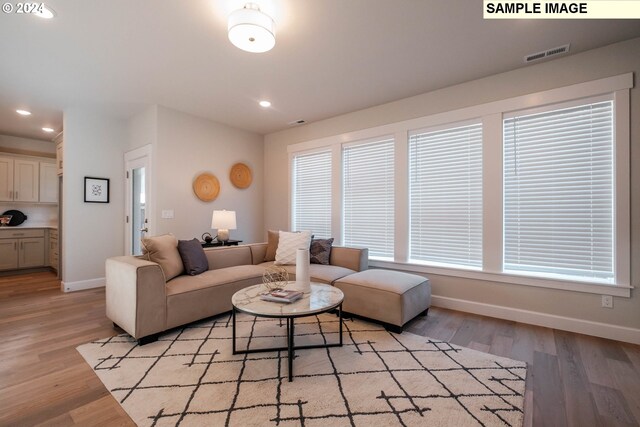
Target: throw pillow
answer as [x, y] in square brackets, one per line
[193, 257]
[164, 251]
[273, 236]
[289, 243]
[320, 251]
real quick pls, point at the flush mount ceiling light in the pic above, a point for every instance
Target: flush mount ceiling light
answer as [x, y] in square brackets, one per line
[49, 130]
[251, 30]
[265, 104]
[23, 112]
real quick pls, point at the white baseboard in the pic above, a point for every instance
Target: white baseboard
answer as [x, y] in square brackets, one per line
[81, 285]
[587, 327]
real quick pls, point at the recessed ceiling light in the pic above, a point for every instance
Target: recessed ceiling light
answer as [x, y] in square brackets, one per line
[265, 104]
[47, 129]
[23, 112]
[45, 12]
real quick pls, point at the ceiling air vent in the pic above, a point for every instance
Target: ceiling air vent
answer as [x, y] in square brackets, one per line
[547, 53]
[297, 122]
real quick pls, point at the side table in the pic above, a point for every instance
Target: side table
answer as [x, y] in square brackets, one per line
[218, 243]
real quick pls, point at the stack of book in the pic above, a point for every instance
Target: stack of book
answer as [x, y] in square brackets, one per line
[282, 295]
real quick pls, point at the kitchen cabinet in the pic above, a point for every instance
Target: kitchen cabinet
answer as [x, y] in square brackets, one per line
[59, 140]
[53, 249]
[19, 179]
[22, 248]
[8, 254]
[48, 183]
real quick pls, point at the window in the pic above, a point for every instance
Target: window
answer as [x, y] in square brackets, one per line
[311, 198]
[558, 192]
[532, 190]
[368, 191]
[445, 196]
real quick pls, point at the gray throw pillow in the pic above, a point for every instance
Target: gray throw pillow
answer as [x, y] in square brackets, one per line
[193, 257]
[320, 251]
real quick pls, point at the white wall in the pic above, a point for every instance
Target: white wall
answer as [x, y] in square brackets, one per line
[477, 294]
[142, 129]
[91, 232]
[183, 146]
[189, 145]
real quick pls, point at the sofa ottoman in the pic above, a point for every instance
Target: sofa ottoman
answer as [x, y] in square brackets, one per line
[389, 297]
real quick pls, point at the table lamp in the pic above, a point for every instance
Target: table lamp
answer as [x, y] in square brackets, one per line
[223, 221]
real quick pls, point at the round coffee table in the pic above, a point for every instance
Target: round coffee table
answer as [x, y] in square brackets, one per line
[321, 299]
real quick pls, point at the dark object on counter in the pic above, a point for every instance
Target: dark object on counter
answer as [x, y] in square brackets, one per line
[17, 217]
[207, 237]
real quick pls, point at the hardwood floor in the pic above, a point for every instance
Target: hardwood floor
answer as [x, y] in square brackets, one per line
[573, 380]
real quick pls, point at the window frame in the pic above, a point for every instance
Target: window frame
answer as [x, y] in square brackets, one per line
[379, 139]
[562, 106]
[440, 128]
[491, 114]
[291, 184]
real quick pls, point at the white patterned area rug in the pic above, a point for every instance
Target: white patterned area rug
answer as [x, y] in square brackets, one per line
[190, 377]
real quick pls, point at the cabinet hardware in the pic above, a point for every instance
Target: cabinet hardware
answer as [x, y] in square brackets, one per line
[144, 230]
[16, 194]
[15, 246]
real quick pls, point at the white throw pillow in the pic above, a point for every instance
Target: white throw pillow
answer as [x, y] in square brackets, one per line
[289, 243]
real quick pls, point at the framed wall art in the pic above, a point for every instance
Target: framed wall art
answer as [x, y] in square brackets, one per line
[96, 190]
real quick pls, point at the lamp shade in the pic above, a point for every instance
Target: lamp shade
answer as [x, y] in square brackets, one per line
[251, 30]
[225, 220]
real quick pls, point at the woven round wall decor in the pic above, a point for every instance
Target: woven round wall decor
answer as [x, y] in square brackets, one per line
[206, 186]
[240, 175]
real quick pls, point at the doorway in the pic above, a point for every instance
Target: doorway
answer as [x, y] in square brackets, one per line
[138, 221]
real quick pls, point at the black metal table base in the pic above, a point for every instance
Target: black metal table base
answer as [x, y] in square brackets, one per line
[291, 347]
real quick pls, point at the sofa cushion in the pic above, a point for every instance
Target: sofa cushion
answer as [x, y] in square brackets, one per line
[320, 251]
[318, 272]
[193, 257]
[211, 278]
[273, 236]
[190, 298]
[164, 251]
[288, 245]
[228, 256]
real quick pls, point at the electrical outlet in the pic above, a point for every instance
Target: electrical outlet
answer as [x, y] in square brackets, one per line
[607, 301]
[167, 214]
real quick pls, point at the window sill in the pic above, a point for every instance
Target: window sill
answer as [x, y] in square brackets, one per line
[566, 285]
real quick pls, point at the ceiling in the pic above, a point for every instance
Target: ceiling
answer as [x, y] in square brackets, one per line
[331, 57]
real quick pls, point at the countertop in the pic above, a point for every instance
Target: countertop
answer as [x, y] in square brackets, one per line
[31, 226]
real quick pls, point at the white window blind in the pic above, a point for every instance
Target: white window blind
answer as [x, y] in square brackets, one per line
[311, 199]
[445, 190]
[368, 205]
[558, 192]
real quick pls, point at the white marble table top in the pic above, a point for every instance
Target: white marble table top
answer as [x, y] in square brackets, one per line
[321, 298]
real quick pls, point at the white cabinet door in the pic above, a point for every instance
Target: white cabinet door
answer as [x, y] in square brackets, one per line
[48, 183]
[59, 140]
[8, 254]
[31, 252]
[26, 180]
[6, 179]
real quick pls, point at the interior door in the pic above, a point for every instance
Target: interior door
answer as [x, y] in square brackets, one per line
[137, 218]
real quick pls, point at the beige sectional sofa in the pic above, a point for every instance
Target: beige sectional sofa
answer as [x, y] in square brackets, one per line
[140, 300]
